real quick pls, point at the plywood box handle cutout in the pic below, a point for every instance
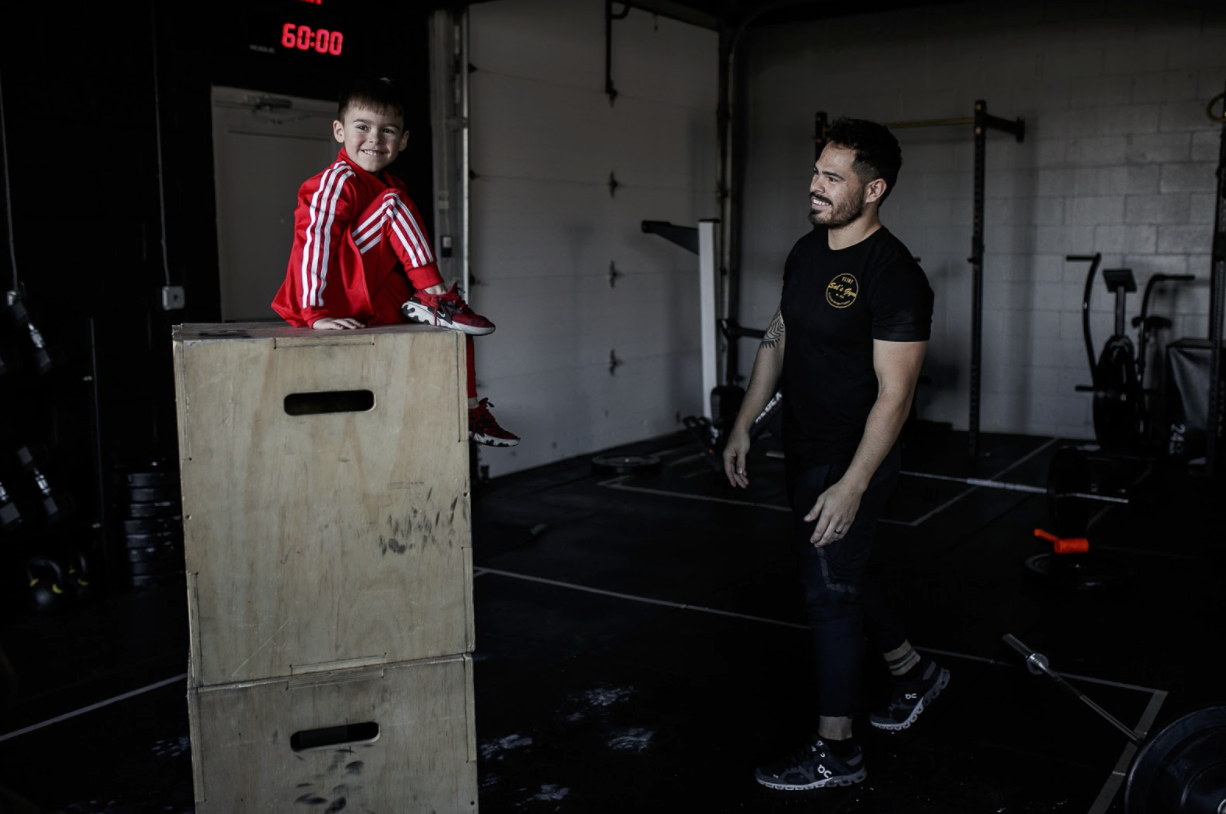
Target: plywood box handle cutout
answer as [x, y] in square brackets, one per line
[330, 401]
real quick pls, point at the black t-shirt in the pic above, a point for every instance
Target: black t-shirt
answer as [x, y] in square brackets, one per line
[835, 303]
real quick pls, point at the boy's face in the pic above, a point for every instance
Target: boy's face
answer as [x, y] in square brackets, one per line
[372, 138]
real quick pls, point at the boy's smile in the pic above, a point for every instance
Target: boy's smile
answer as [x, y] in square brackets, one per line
[372, 138]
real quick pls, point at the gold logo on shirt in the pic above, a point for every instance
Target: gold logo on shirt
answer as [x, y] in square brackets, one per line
[842, 291]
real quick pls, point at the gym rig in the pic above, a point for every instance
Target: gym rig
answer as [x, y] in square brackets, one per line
[1123, 418]
[981, 122]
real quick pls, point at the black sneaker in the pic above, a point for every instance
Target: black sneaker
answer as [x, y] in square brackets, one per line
[812, 766]
[910, 699]
[447, 310]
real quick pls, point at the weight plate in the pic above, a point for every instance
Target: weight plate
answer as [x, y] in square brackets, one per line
[153, 525]
[173, 536]
[151, 567]
[1117, 398]
[152, 494]
[1079, 572]
[174, 544]
[625, 464]
[1182, 768]
[173, 579]
[142, 479]
[162, 508]
[156, 553]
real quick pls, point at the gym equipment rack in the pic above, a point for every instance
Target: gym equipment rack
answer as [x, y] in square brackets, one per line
[981, 123]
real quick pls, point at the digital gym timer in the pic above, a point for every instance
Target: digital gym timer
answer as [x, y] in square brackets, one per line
[305, 38]
[297, 27]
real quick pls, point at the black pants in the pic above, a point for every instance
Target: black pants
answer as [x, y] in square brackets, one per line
[843, 602]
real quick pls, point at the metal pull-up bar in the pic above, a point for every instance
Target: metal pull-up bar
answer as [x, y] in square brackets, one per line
[931, 123]
[981, 119]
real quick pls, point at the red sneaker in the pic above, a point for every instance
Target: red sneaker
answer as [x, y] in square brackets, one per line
[446, 311]
[483, 429]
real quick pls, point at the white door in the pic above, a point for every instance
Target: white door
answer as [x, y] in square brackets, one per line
[264, 147]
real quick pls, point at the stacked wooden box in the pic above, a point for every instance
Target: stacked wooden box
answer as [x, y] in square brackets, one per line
[329, 568]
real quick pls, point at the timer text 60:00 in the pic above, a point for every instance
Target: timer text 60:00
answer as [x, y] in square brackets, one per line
[304, 38]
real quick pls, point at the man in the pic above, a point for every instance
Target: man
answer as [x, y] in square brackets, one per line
[854, 318]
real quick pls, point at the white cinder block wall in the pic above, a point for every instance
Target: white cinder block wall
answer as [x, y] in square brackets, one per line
[545, 228]
[1119, 158]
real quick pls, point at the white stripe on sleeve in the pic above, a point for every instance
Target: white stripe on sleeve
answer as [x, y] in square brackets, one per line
[366, 233]
[408, 227]
[318, 246]
[421, 234]
[370, 231]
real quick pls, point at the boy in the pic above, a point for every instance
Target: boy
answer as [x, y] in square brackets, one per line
[360, 256]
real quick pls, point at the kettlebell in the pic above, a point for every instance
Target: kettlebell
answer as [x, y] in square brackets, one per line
[46, 584]
[79, 583]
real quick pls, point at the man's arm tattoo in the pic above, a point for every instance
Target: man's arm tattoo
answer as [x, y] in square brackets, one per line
[774, 331]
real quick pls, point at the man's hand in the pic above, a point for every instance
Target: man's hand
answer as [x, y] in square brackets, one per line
[330, 324]
[736, 451]
[834, 511]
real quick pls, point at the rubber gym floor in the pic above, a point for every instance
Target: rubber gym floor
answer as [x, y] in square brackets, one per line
[641, 647]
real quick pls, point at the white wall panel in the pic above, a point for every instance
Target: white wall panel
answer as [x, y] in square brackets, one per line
[544, 140]
[562, 43]
[547, 131]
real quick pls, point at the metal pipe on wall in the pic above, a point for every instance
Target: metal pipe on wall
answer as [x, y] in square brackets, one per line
[930, 123]
[708, 276]
[729, 250]
[981, 142]
[1216, 413]
[8, 193]
[449, 125]
[731, 166]
[442, 100]
[465, 166]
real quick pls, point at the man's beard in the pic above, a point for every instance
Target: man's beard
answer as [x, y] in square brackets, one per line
[838, 216]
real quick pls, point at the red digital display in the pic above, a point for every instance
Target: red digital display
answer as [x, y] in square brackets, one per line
[305, 38]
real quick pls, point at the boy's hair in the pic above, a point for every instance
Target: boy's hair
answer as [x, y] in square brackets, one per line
[377, 93]
[877, 152]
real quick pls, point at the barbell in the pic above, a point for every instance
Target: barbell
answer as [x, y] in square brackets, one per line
[1070, 499]
[1021, 487]
[1180, 770]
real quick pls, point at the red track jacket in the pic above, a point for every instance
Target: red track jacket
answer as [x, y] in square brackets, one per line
[351, 230]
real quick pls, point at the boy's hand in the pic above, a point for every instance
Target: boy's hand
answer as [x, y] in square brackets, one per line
[330, 324]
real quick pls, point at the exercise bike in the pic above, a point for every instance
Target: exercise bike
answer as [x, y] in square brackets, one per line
[1122, 459]
[1121, 401]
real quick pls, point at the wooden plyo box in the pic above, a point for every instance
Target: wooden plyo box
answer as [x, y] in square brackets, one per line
[325, 498]
[395, 739]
